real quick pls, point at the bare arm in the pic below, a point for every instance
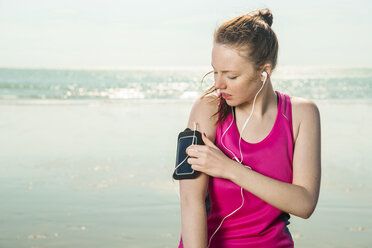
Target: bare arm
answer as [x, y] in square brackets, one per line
[300, 197]
[193, 191]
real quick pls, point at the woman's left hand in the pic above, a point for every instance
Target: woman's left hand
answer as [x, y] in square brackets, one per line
[209, 159]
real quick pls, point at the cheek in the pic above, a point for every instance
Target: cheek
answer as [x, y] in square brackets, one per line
[241, 86]
[248, 82]
[244, 88]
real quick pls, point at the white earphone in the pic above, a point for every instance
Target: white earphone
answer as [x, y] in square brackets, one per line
[264, 74]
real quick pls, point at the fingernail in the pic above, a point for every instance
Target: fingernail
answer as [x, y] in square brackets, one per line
[204, 134]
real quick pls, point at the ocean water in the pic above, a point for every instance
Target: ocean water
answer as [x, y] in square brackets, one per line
[86, 157]
[308, 82]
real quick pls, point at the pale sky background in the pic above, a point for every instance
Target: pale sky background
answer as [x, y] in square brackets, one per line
[120, 34]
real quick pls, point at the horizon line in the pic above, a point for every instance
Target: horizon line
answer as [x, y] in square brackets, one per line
[114, 68]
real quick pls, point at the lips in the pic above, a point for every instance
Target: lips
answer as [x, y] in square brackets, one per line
[226, 96]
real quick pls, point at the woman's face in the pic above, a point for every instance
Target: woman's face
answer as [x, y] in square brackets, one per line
[234, 75]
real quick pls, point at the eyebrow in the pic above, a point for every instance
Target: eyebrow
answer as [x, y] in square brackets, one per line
[224, 71]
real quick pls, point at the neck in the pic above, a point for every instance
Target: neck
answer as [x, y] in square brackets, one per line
[265, 100]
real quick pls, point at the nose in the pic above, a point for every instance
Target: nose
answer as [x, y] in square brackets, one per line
[219, 83]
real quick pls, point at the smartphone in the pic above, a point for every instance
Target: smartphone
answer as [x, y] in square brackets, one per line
[185, 139]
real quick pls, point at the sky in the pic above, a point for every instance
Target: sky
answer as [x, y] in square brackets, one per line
[170, 33]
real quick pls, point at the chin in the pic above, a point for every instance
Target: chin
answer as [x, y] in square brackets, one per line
[230, 103]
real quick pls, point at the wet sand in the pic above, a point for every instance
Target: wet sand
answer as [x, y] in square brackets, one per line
[95, 174]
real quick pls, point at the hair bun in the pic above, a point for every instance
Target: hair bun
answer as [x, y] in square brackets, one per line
[266, 15]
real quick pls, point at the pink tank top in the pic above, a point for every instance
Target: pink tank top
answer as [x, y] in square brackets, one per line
[256, 223]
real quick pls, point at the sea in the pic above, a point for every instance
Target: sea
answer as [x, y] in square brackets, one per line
[318, 83]
[87, 155]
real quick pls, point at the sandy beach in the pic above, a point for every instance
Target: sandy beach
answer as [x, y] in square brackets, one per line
[98, 174]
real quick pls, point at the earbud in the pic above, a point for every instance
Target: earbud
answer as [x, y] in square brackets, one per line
[264, 74]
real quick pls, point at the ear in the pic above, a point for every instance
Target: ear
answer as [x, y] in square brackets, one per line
[268, 68]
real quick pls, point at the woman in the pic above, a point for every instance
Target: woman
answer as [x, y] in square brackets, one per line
[261, 158]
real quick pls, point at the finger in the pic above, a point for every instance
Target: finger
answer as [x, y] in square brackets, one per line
[190, 147]
[191, 161]
[192, 152]
[197, 167]
[194, 147]
[208, 142]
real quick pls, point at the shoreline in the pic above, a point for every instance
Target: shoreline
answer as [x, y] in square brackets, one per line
[151, 100]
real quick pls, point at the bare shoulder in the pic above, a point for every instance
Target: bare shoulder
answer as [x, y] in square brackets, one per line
[303, 105]
[203, 112]
[304, 112]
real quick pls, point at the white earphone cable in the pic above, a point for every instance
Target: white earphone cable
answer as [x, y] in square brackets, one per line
[193, 143]
[241, 155]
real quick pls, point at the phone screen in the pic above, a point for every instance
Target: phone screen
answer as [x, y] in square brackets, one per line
[183, 143]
